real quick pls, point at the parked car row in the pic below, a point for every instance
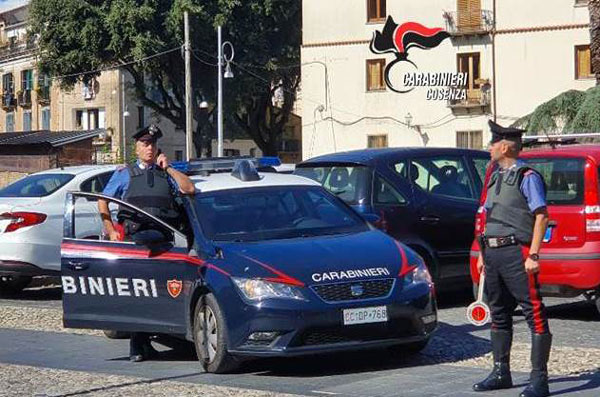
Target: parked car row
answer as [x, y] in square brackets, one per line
[429, 198]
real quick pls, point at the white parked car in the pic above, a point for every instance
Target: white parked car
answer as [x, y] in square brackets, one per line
[31, 220]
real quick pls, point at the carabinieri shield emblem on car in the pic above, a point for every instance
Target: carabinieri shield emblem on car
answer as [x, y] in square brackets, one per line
[174, 287]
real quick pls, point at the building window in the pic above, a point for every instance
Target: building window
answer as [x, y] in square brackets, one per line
[7, 83]
[46, 118]
[377, 141]
[27, 121]
[231, 152]
[376, 10]
[469, 15]
[27, 79]
[178, 155]
[10, 122]
[375, 79]
[469, 139]
[89, 119]
[581, 2]
[141, 118]
[583, 62]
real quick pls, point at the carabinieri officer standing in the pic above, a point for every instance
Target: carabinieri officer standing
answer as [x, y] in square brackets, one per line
[516, 221]
[148, 184]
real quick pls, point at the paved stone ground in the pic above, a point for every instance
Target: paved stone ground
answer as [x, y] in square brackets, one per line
[38, 357]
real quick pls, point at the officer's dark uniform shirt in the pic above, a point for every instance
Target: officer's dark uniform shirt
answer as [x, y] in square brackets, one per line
[532, 188]
[119, 182]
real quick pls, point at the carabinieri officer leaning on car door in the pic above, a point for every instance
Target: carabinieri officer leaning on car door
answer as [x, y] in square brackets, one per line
[148, 184]
[516, 221]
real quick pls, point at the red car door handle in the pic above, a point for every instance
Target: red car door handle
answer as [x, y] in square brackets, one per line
[78, 266]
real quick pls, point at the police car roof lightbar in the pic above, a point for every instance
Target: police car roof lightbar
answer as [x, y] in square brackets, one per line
[221, 164]
[555, 140]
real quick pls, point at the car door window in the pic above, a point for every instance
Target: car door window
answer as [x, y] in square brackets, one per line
[481, 165]
[96, 184]
[347, 182]
[442, 176]
[87, 223]
[385, 194]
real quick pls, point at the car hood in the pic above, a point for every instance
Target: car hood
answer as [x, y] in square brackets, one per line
[321, 260]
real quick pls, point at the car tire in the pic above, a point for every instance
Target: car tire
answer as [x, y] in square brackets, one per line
[110, 334]
[598, 304]
[209, 319]
[10, 285]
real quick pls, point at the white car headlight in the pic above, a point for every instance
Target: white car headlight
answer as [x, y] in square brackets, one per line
[256, 289]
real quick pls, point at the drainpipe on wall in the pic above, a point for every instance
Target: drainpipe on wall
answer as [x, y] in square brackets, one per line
[494, 86]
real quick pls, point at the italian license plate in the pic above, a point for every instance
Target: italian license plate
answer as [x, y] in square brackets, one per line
[548, 235]
[364, 315]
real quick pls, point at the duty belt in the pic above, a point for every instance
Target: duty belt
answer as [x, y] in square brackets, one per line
[497, 242]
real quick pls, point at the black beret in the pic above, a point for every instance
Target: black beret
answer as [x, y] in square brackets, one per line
[509, 133]
[149, 133]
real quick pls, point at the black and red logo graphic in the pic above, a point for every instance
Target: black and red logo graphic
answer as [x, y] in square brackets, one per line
[174, 287]
[398, 39]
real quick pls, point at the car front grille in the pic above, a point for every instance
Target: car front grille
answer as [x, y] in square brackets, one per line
[357, 333]
[356, 290]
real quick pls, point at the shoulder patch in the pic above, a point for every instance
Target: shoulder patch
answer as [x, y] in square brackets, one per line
[529, 172]
[121, 168]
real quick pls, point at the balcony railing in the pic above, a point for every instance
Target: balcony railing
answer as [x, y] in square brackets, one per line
[43, 94]
[475, 98]
[9, 101]
[15, 46]
[459, 23]
[24, 98]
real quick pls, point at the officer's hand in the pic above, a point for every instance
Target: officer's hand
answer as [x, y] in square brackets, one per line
[114, 235]
[162, 161]
[531, 266]
[480, 263]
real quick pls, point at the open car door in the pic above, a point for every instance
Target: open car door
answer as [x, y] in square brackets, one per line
[141, 284]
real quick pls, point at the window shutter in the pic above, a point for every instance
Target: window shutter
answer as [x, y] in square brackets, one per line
[475, 14]
[462, 6]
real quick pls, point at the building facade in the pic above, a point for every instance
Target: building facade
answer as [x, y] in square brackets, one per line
[31, 101]
[501, 59]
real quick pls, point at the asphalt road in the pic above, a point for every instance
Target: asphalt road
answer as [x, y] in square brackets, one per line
[448, 367]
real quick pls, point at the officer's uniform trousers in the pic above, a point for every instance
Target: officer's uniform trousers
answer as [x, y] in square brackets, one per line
[508, 284]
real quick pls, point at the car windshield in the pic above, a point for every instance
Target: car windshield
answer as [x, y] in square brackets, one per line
[350, 183]
[270, 213]
[563, 177]
[39, 185]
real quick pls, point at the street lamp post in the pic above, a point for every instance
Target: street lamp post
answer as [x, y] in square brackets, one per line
[222, 59]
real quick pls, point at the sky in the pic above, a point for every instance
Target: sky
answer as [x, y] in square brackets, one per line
[10, 4]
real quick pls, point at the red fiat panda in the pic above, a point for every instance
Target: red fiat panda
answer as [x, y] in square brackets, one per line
[570, 253]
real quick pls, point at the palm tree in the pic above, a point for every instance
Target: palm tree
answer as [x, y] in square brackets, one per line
[594, 10]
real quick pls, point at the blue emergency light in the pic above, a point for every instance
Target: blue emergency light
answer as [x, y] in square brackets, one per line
[222, 164]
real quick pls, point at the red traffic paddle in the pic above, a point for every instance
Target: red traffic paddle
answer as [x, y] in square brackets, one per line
[478, 313]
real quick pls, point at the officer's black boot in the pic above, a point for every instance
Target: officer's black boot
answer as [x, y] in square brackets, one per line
[136, 347]
[500, 377]
[540, 353]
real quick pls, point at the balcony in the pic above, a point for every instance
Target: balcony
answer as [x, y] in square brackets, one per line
[16, 46]
[476, 99]
[43, 95]
[24, 98]
[459, 23]
[9, 101]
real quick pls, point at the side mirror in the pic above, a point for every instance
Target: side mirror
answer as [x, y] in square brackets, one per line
[371, 218]
[149, 237]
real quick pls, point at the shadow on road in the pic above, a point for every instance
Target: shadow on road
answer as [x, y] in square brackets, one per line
[592, 382]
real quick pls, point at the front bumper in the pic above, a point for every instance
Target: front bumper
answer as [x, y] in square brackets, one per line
[317, 327]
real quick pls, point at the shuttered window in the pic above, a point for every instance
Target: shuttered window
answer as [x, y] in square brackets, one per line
[377, 141]
[583, 62]
[376, 10]
[469, 15]
[469, 139]
[375, 79]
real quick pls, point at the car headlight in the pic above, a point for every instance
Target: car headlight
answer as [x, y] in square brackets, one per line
[256, 289]
[419, 275]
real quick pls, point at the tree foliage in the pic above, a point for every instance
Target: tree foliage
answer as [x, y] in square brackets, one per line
[84, 35]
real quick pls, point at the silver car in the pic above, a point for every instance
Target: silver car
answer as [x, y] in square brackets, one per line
[31, 221]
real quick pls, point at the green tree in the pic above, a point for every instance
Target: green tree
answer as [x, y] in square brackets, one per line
[572, 111]
[83, 35]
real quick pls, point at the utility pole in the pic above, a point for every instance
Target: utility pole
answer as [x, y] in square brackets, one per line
[220, 95]
[189, 143]
[124, 129]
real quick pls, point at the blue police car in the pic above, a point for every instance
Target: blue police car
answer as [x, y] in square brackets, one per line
[262, 264]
